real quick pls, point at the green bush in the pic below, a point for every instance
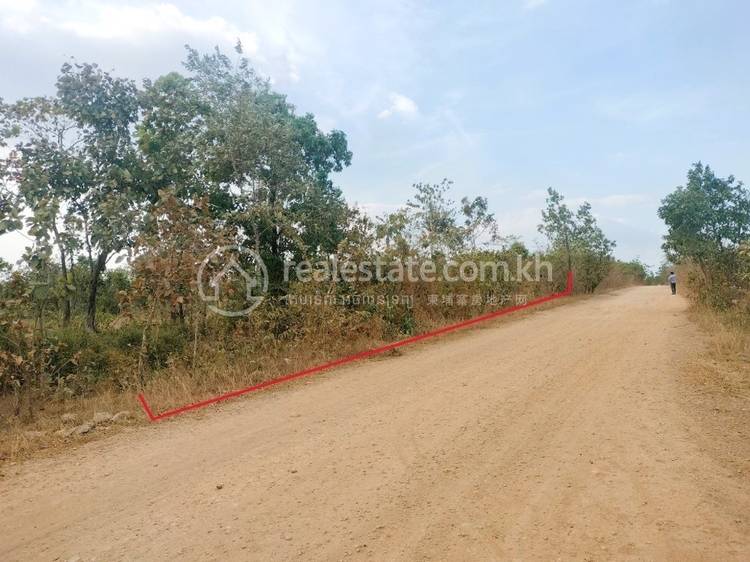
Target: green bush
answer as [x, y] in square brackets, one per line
[79, 352]
[94, 356]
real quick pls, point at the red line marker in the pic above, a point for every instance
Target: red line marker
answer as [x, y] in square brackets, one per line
[146, 408]
[351, 358]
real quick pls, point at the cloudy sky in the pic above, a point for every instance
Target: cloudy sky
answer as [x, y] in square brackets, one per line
[607, 101]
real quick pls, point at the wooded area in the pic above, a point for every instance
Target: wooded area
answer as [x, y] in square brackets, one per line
[123, 189]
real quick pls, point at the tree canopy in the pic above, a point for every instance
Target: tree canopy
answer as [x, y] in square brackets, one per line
[577, 238]
[89, 165]
[708, 224]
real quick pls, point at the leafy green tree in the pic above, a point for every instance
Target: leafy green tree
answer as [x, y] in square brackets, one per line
[707, 220]
[10, 202]
[170, 136]
[48, 170]
[578, 236]
[434, 218]
[478, 221]
[429, 224]
[105, 110]
[271, 167]
[592, 248]
[394, 232]
[558, 223]
[637, 269]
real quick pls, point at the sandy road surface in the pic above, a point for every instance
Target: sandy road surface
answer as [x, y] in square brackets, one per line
[559, 435]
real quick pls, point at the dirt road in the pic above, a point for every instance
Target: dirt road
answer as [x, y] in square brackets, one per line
[558, 435]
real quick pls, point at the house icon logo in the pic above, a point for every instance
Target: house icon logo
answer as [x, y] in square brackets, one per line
[221, 275]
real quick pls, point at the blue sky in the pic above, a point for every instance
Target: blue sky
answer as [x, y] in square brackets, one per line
[605, 101]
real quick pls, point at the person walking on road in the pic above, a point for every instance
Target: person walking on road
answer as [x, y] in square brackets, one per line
[672, 282]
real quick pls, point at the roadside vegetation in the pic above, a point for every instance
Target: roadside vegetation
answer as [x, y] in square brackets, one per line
[124, 189]
[708, 238]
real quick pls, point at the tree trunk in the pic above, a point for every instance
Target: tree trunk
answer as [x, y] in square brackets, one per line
[96, 271]
[66, 280]
[66, 291]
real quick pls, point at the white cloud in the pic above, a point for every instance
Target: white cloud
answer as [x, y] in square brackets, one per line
[533, 4]
[278, 43]
[17, 15]
[106, 21]
[132, 23]
[400, 104]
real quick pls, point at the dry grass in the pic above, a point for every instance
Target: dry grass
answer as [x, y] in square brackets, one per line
[617, 279]
[717, 381]
[179, 384]
[726, 364]
[717, 389]
[19, 437]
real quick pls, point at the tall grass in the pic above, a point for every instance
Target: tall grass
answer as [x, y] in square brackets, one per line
[726, 364]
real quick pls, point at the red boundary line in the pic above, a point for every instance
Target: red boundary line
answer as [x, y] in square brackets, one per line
[350, 358]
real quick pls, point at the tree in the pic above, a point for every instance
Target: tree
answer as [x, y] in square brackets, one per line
[48, 169]
[580, 238]
[394, 230]
[105, 110]
[558, 223]
[170, 135]
[10, 201]
[592, 248]
[430, 223]
[707, 220]
[434, 218]
[175, 237]
[478, 221]
[271, 167]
